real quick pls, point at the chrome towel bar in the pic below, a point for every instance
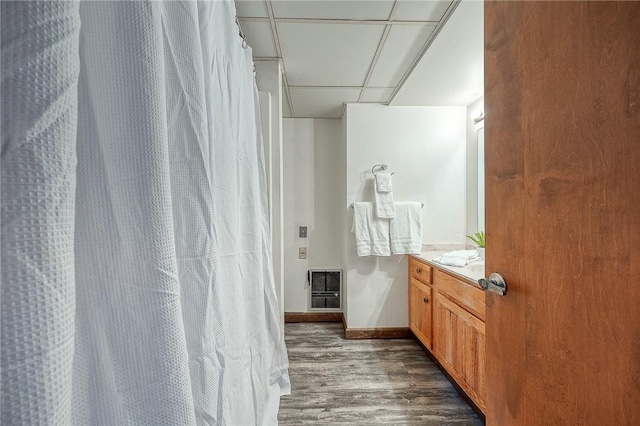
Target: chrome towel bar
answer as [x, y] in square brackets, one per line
[351, 205]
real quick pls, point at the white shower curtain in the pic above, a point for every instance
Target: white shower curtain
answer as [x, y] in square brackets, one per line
[136, 273]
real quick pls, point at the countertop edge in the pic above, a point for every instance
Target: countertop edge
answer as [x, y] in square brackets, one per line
[462, 273]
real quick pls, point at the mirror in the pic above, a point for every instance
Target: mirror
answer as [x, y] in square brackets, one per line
[480, 141]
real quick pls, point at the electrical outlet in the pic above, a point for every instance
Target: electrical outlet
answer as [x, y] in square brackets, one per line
[302, 253]
[302, 232]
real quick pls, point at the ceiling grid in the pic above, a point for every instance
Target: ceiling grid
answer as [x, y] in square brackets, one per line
[276, 40]
[337, 52]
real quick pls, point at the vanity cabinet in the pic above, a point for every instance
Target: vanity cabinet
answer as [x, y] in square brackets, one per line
[456, 336]
[459, 346]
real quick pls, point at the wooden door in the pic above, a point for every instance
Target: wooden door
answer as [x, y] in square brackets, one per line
[562, 149]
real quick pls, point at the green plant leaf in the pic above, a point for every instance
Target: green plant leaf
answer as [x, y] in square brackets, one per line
[478, 238]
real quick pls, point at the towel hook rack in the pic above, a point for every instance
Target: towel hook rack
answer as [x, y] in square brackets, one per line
[382, 166]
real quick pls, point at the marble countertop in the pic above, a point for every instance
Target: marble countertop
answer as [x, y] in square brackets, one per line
[473, 271]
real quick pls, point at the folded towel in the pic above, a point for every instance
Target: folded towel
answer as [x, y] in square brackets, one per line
[406, 229]
[383, 182]
[457, 257]
[372, 233]
[384, 198]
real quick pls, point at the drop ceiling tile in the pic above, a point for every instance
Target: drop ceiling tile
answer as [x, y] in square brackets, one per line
[376, 95]
[403, 44]
[321, 102]
[452, 71]
[423, 10]
[331, 9]
[328, 54]
[251, 8]
[258, 35]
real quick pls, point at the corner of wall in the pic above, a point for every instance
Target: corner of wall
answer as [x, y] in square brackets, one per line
[269, 79]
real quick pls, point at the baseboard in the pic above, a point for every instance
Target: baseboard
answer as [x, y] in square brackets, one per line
[349, 333]
[377, 333]
[313, 317]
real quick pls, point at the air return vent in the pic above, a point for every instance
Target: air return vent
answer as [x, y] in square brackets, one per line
[326, 289]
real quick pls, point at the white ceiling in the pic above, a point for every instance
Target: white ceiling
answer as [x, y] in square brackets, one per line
[335, 52]
[457, 79]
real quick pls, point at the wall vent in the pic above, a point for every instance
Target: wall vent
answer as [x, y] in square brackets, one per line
[326, 289]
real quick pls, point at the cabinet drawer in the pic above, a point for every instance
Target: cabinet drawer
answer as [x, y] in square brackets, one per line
[420, 270]
[466, 295]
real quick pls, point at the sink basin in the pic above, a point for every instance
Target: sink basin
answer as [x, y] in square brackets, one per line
[476, 268]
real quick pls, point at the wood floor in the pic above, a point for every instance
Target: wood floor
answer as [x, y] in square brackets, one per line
[363, 382]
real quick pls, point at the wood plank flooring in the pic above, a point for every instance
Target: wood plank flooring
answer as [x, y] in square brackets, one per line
[363, 382]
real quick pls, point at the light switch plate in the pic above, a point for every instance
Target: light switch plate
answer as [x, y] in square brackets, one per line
[302, 253]
[302, 232]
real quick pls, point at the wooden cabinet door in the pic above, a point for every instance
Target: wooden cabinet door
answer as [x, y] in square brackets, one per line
[420, 311]
[562, 101]
[459, 346]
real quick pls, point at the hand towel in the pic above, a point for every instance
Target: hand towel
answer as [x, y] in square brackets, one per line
[384, 197]
[406, 229]
[457, 257]
[372, 233]
[383, 182]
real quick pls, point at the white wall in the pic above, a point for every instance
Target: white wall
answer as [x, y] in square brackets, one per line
[425, 147]
[327, 236]
[269, 79]
[314, 185]
[298, 208]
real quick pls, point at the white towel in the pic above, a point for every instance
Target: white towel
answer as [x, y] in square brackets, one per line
[384, 197]
[372, 233]
[457, 257]
[383, 182]
[406, 229]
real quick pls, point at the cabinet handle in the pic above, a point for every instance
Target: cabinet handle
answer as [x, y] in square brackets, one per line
[418, 270]
[425, 300]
